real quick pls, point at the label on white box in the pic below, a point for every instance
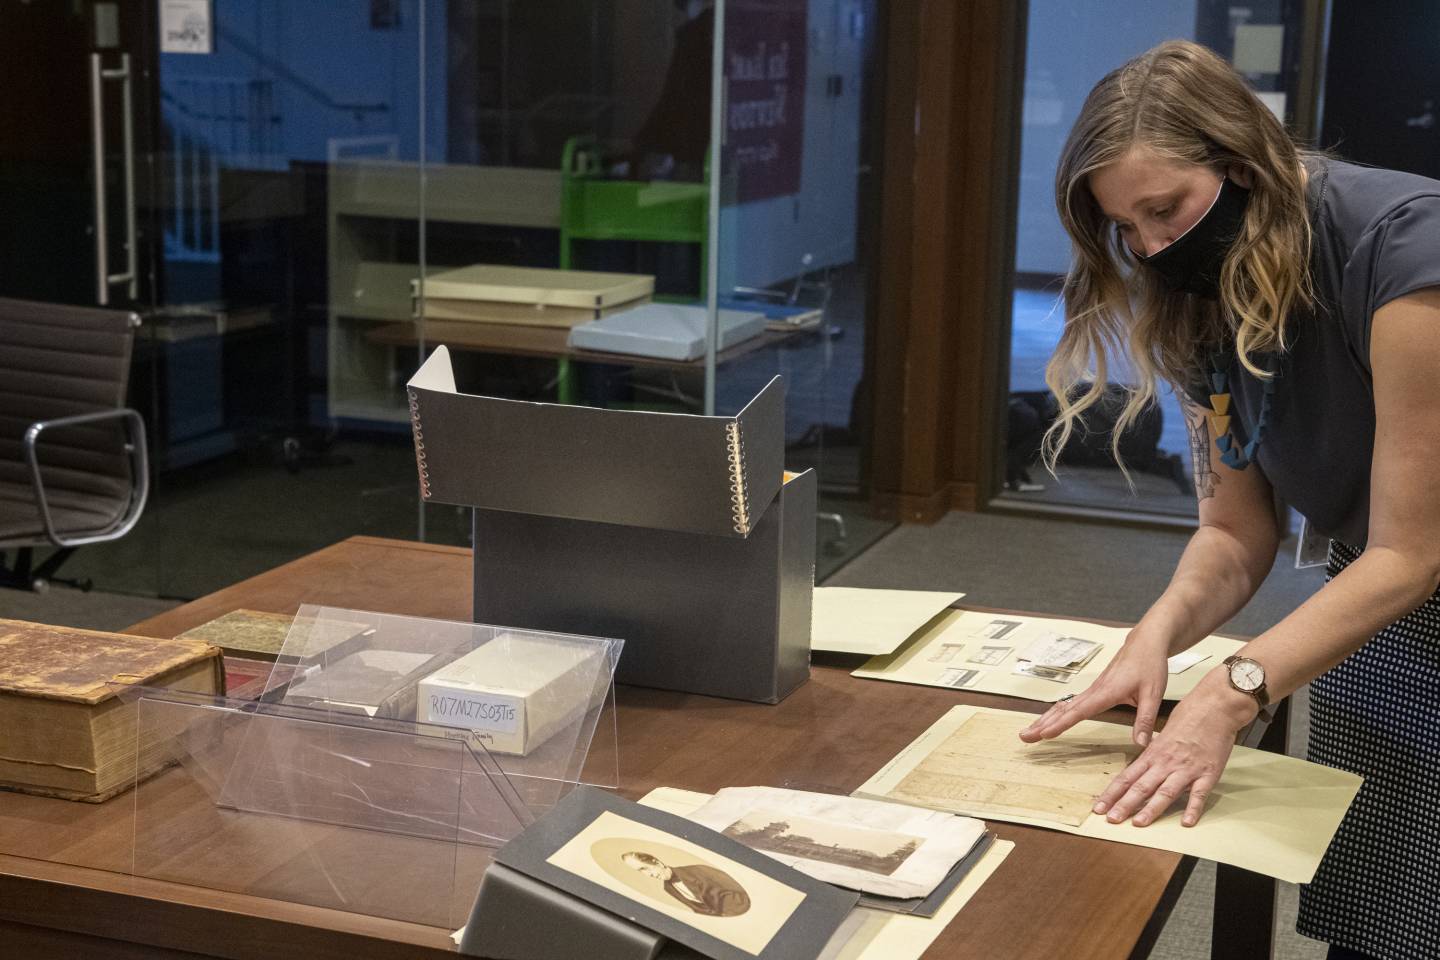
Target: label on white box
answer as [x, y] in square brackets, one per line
[487, 712]
[512, 693]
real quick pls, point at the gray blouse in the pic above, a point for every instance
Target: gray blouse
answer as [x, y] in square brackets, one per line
[1376, 238]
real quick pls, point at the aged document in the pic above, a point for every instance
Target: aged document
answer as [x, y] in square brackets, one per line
[1270, 813]
[1067, 653]
[890, 849]
[982, 769]
[990, 656]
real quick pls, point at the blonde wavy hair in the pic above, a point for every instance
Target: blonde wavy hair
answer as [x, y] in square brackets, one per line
[1186, 104]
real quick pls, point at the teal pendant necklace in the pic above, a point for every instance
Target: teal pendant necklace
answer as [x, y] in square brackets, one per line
[1232, 453]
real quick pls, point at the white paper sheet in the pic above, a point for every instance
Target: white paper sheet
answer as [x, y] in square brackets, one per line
[1184, 661]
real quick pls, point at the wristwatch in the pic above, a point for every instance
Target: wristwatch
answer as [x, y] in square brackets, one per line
[1248, 676]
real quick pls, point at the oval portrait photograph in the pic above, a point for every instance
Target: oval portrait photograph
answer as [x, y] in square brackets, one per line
[669, 875]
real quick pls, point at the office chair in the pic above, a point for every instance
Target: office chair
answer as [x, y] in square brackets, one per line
[73, 467]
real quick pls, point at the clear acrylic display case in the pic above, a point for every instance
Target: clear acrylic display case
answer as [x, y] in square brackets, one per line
[338, 789]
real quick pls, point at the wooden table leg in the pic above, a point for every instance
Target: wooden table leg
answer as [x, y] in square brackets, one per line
[1243, 926]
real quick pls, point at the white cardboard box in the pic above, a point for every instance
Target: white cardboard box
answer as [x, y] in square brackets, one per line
[513, 693]
[670, 331]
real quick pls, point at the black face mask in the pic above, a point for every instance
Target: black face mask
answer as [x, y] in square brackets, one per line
[1192, 263]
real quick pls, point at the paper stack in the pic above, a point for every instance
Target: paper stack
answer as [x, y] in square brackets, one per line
[1054, 657]
[486, 293]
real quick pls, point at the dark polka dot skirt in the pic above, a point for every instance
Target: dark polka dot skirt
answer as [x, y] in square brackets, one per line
[1378, 714]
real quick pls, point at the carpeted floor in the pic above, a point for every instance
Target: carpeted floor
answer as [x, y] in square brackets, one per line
[97, 610]
[1045, 565]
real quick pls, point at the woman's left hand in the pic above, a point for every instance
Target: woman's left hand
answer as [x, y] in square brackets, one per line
[1188, 755]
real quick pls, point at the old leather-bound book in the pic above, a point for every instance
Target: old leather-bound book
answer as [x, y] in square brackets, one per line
[64, 729]
[244, 633]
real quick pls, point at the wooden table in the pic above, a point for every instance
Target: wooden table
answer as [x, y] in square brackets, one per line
[1055, 896]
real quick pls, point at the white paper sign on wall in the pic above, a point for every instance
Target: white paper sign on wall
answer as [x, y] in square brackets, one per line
[186, 26]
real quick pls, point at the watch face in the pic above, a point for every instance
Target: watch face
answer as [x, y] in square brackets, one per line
[1247, 675]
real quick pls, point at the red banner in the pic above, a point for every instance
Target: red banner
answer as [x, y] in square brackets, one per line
[765, 45]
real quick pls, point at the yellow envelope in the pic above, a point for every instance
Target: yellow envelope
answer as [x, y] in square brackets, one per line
[856, 620]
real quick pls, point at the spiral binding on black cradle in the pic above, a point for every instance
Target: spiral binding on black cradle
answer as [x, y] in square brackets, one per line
[419, 445]
[739, 496]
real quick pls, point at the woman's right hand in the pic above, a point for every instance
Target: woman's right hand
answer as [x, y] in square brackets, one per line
[1137, 676]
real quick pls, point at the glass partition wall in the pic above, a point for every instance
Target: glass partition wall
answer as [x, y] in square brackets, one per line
[287, 178]
[278, 185]
[1069, 48]
[576, 137]
[798, 78]
[188, 163]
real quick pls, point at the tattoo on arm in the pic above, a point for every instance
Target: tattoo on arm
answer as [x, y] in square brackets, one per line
[1206, 479]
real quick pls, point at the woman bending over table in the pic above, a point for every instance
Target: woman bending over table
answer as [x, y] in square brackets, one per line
[1293, 300]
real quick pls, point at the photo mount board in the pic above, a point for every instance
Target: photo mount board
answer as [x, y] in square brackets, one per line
[880, 934]
[519, 918]
[804, 932]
